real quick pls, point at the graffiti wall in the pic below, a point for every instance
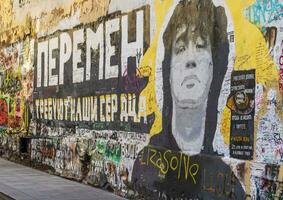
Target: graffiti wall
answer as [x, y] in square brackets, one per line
[174, 99]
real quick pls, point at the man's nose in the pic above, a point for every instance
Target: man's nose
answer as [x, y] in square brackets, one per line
[191, 64]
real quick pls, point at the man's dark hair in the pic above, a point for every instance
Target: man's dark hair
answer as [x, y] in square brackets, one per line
[209, 21]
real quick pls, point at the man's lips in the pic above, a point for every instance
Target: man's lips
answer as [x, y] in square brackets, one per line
[189, 86]
[189, 81]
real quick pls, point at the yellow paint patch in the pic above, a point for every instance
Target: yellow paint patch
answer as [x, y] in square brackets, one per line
[225, 122]
[148, 65]
[17, 22]
[251, 53]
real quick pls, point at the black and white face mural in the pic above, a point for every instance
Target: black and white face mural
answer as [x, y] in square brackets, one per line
[195, 62]
[191, 72]
[190, 59]
[193, 44]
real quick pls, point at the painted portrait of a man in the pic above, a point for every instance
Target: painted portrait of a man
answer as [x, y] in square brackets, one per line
[179, 162]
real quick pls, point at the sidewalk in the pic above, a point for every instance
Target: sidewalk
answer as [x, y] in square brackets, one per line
[23, 183]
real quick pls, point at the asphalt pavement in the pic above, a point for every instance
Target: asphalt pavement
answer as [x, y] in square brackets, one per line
[23, 183]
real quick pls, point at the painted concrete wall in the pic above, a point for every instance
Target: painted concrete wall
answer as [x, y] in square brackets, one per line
[147, 98]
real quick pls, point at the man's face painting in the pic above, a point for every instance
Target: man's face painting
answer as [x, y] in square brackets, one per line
[191, 67]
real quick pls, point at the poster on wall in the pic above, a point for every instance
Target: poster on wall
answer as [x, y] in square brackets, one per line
[241, 103]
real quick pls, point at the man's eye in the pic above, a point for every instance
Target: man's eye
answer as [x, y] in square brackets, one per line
[200, 46]
[180, 49]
